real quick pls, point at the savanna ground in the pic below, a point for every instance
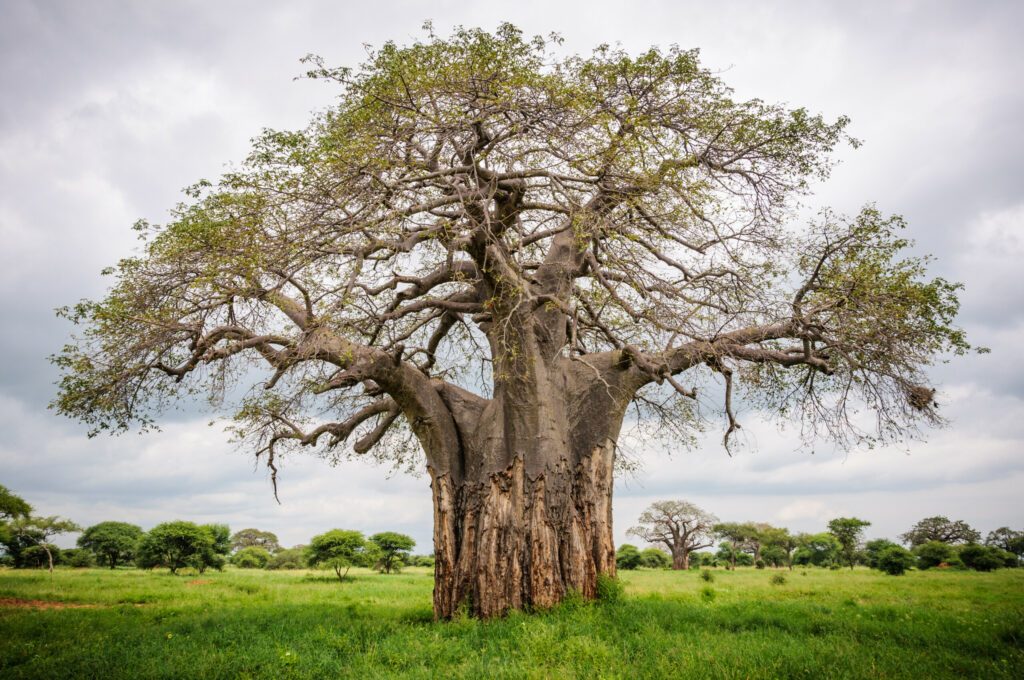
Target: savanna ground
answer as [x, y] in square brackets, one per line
[257, 624]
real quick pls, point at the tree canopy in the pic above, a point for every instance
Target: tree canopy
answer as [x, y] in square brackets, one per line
[113, 542]
[394, 549]
[940, 529]
[848, 531]
[462, 180]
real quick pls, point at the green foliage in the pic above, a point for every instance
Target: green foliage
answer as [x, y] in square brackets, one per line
[12, 506]
[254, 538]
[778, 580]
[985, 558]
[394, 549]
[288, 558]
[340, 550]
[819, 550]
[79, 558]
[627, 557]
[895, 560]
[113, 543]
[848, 532]
[933, 553]
[872, 549]
[175, 545]
[654, 558]
[1007, 539]
[706, 575]
[252, 557]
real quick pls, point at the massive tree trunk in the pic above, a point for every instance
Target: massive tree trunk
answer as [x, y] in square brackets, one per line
[523, 513]
[681, 560]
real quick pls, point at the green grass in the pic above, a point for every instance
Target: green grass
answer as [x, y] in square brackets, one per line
[252, 624]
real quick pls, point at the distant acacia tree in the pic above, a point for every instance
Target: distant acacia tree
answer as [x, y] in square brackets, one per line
[492, 251]
[743, 537]
[680, 526]
[254, 538]
[37, 531]
[940, 529]
[113, 542]
[1007, 539]
[174, 545]
[394, 549]
[340, 550]
[848, 532]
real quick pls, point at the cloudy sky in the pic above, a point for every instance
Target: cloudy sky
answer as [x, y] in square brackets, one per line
[107, 109]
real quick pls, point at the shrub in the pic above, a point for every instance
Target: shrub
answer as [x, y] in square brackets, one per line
[895, 560]
[292, 558]
[627, 557]
[251, 558]
[706, 575]
[778, 580]
[933, 553]
[759, 564]
[79, 558]
[981, 558]
[653, 558]
[708, 594]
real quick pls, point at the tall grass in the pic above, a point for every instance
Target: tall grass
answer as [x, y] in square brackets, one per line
[253, 624]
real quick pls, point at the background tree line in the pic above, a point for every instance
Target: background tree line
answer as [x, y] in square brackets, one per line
[679, 531]
[25, 542]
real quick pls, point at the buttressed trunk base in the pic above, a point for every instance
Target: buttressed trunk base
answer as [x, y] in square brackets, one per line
[514, 540]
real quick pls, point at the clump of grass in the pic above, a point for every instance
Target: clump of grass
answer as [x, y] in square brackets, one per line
[778, 580]
[708, 594]
[609, 589]
[706, 575]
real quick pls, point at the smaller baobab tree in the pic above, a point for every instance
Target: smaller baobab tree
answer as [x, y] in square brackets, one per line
[680, 526]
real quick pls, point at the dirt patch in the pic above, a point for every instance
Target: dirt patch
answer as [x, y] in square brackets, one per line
[199, 582]
[15, 603]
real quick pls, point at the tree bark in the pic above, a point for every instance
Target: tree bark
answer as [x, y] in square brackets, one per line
[527, 515]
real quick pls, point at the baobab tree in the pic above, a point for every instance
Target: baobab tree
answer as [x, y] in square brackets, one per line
[680, 526]
[486, 253]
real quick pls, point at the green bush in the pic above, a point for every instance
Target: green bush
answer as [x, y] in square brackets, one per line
[627, 557]
[251, 558]
[292, 558]
[933, 553]
[895, 560]
[706, 575]
[778, 580]
[653, 558]
[759, 564]
[79, 558]
[981, 557]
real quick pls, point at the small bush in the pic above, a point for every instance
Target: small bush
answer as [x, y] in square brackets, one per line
[759, 564]
[706, 575]
[981, 558]
[708, 594]
[895, 560]
[609, 589]
[778, 579]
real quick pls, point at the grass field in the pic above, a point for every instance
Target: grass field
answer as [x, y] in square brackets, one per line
[256, 624]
